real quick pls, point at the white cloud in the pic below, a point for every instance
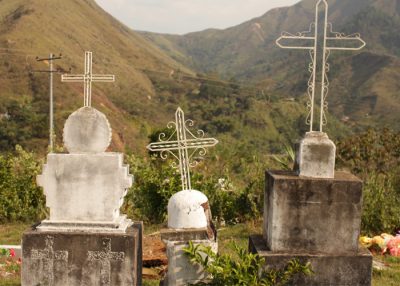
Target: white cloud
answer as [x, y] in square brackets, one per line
[183, 16]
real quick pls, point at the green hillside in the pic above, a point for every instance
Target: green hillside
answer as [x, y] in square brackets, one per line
[150, 85]
[364, 85]
[31, 28]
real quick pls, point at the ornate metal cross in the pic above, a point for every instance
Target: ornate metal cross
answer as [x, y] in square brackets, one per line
[87, 78]
[183, 140]
[105, 257]
[49, 256]
[320, 44]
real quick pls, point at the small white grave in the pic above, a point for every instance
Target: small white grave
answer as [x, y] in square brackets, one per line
[186, 210]
[189, 215]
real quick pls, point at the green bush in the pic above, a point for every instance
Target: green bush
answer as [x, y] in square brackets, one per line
[156, 181]
[381, 209]
[374, 156]
[246, 269]
[21, 199]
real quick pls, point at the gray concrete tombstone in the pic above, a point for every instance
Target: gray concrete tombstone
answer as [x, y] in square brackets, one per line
[85, 240]
[315, 220]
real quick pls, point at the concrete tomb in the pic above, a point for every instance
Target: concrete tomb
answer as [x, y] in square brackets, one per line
[85, 240]
[317, 221]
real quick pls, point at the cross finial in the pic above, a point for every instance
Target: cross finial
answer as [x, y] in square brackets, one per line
[182, 144]
[320, 43]
[87, 78]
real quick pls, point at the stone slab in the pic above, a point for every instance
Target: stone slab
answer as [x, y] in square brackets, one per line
[315, 156]
[82, 258]
[329, 269]
[180, 270]
[306, 214]
[85, 187]
[187, 234]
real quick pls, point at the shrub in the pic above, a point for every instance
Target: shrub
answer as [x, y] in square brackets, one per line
[245, 270]
[156, 181]
[381, 205]
[375, 157]
[21, 199]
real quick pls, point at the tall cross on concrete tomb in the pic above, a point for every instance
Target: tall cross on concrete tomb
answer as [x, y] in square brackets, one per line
[87, 78]
[320, 43]
[185, 144]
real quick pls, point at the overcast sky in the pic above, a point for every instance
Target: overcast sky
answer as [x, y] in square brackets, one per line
[183, 16]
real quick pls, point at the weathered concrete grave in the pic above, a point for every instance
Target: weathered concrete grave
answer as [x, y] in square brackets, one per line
[314, 213]
[85, 240]
[189, 215]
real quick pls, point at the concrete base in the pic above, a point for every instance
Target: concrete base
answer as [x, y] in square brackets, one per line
[181, 271]
[82, 258]
[306, 214]
[329, 269]
[315, 156]
[120, 226]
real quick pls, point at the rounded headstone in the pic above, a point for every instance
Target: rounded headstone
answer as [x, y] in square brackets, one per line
[185, 210]
[87, 130]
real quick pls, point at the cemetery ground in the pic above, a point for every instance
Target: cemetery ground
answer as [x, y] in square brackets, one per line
[10, 233]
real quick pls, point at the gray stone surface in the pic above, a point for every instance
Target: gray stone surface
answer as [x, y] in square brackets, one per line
[188, 234]
[86, 189]
[315, 156]
[318, 215]
[351, 269]
[82, 258]
[87, 130]
[180, 271]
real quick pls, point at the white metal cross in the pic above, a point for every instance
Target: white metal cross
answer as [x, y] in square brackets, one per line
[87, 78]
[186, 143]
[320, 44]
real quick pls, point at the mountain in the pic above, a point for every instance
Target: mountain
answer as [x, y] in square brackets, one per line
[150, 86]
[364, 85]
[30, 28]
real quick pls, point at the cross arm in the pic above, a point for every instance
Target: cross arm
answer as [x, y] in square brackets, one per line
[72, 78]
[103, 78]
[350, 43]
[187, 144]
[289, 41]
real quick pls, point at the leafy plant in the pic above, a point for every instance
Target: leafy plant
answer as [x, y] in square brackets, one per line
[21, 198]
[245, 270]
[375, 157]
[287, 160]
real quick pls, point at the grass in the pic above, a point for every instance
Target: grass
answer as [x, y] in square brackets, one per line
[389, 277]
[12, 233]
